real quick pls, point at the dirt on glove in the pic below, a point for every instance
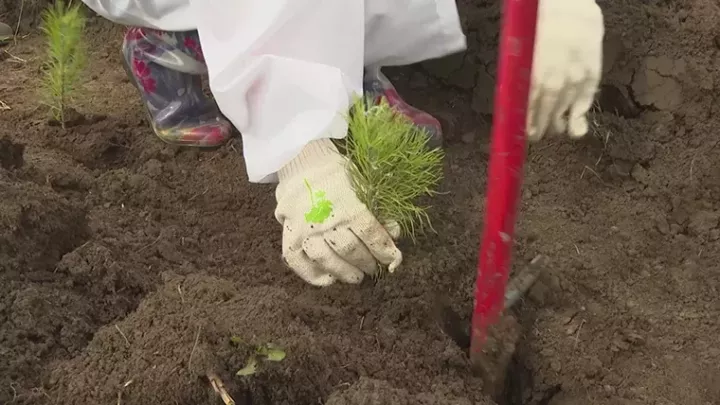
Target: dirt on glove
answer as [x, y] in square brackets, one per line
[126, 266]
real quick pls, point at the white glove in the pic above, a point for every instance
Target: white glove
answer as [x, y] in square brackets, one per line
[328, 234]
[567, 67]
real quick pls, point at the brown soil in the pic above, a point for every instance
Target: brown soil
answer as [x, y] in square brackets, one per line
[126, 265]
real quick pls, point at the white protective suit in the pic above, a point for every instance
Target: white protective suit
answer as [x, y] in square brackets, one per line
[282, 90]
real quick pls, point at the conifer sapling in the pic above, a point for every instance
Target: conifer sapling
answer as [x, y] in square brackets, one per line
[392, 165]
[63, 27]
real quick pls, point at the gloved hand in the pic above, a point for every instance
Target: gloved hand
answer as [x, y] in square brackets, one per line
[567, 67]
[328, 234]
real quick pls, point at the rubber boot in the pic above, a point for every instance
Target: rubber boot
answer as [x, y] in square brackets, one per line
[377, 86]
[166, 68]
[6, 33]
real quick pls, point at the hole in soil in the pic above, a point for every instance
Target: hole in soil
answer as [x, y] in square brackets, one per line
[98, 143]
[549, 395]
[11, 154]
[37, 226]
[114, 154]
[519, 380]
[519, 386]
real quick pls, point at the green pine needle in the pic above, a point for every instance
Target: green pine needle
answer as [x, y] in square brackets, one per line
[63, 27]
[392, 165]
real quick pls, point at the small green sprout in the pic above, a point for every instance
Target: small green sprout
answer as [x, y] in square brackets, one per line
[263, 353]
[271, 352]
[251, 367]
[63, 27]
[392, 165]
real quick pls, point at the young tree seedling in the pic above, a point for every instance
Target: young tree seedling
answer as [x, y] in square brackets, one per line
[63, 26]
[392, 166]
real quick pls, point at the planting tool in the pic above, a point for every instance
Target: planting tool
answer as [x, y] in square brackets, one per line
[492, 337]
[493, 334]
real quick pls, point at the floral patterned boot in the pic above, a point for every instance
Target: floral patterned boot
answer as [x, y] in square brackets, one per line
[166, 67]
[377, 86]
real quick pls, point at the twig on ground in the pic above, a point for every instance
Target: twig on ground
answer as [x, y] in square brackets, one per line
[4, 106]
[40, 391]
[197, 338]
[692, 167]
[219, 388]
[577, 334]
[17, 26]
[199, 194]
[150, 244]
[602, 153]
[118, 145]
[15, 394]
[591, 171]
[123, 335]
[182, 298]
[14, 58]
[120, 392]
[596, 132]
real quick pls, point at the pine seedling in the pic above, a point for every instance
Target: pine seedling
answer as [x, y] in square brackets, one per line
[392, 165]
[63, 27]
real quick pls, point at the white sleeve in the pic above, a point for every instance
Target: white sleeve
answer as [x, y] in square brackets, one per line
[166, 15]
[403, 32]
[282, 71]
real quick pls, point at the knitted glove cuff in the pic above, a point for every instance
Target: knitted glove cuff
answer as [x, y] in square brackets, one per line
[312, 155]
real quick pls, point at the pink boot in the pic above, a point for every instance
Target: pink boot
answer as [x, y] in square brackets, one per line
[166, 67]
[377, 86]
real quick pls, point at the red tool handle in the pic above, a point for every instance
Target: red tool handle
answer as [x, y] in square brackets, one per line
[507, 160]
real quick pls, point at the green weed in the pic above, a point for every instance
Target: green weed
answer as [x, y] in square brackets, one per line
[267, 352]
